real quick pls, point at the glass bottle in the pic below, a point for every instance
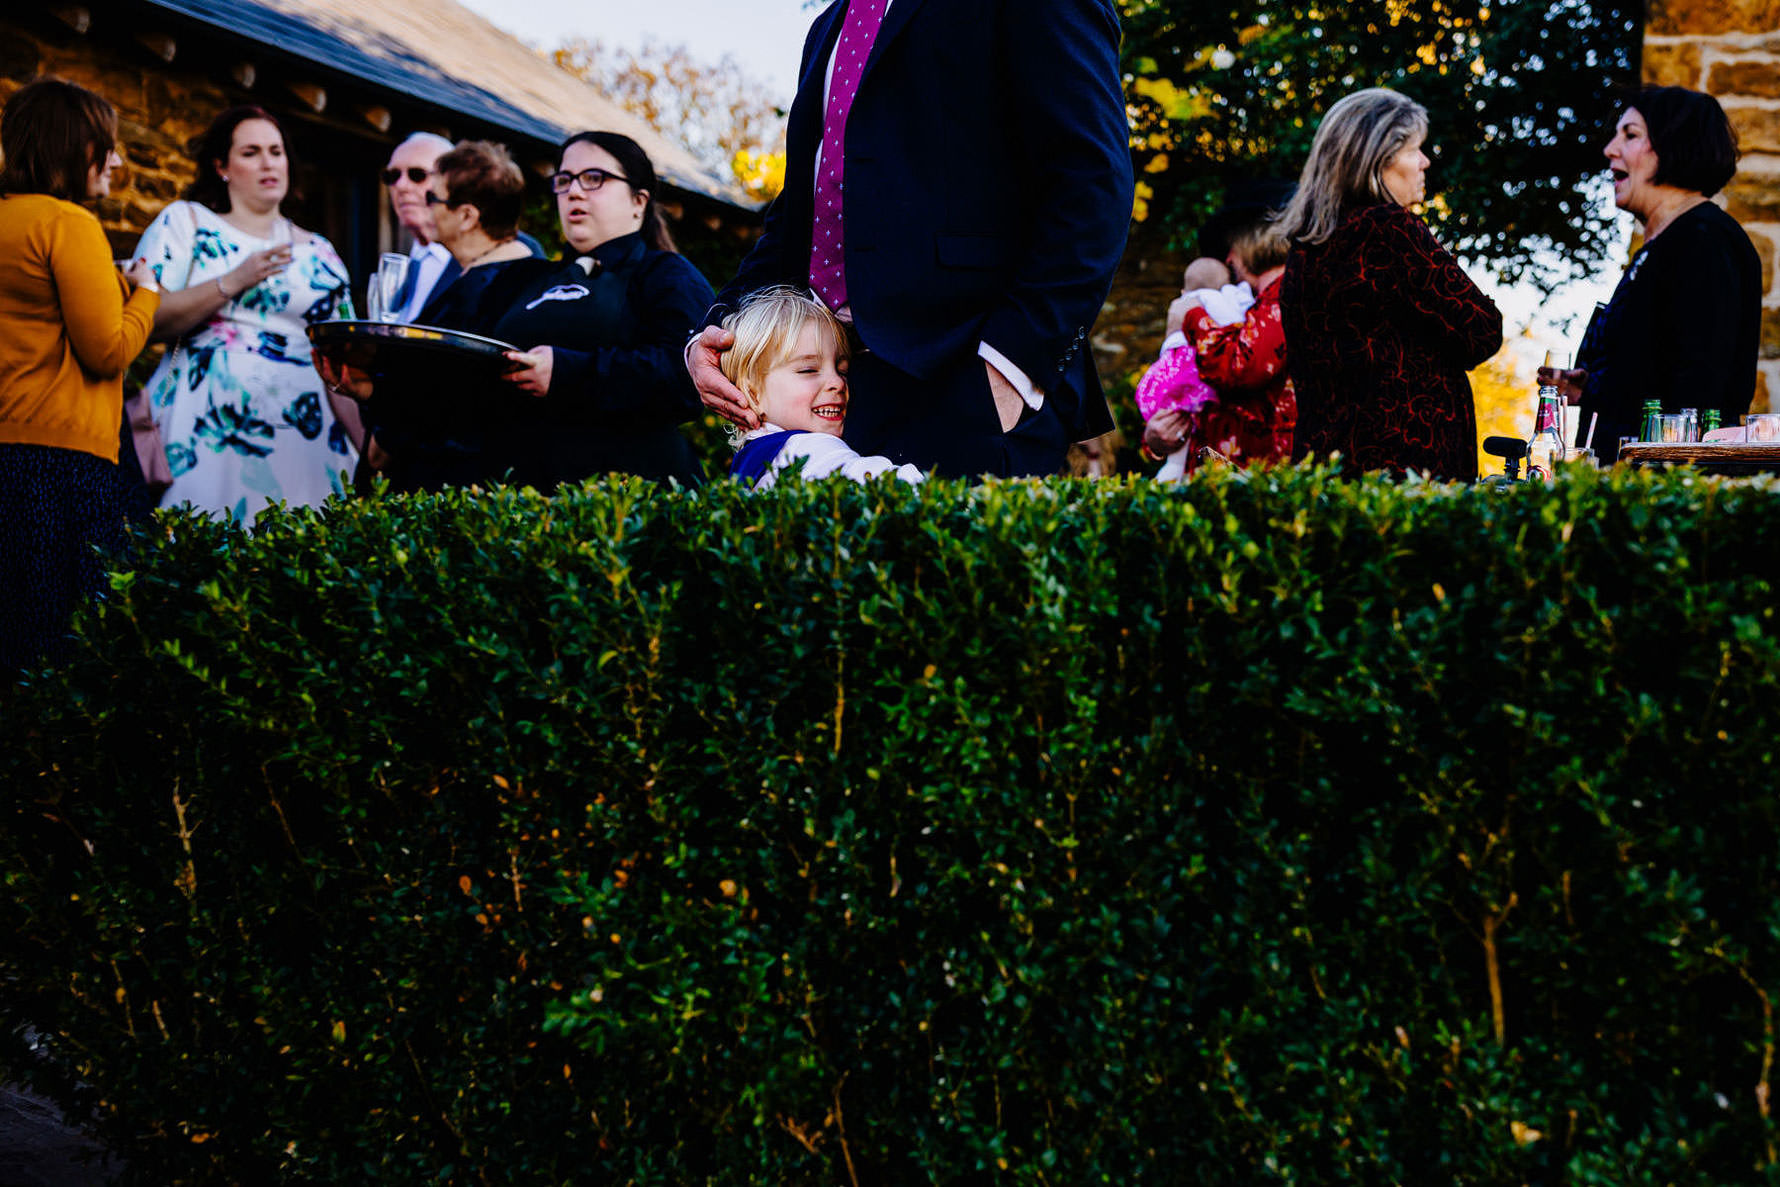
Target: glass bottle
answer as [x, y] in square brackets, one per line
[1546, 449]
[1690, 426]
[1710, 423]
[1652, 421]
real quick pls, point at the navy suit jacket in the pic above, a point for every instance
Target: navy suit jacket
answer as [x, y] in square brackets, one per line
[988, 189]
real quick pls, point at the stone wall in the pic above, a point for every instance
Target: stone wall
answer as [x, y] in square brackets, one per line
[160, 109]
[1731, 49]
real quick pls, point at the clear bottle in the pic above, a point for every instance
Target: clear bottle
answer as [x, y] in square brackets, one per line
[1652, 421]
[1546, 448]
[1690, 427]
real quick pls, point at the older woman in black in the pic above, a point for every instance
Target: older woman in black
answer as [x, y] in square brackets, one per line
[426, 425]
[1684, 325]
[601, 386]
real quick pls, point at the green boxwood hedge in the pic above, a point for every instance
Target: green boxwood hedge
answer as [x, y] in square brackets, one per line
[1272, 829]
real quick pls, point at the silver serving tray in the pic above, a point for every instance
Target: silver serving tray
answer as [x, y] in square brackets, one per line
[348, 332]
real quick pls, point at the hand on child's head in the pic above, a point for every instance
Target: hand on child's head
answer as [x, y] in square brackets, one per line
[1205, 273]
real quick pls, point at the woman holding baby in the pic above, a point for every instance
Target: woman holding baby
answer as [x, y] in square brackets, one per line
[1220, 392]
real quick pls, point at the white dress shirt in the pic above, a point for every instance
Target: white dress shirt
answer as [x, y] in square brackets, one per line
[429, 263]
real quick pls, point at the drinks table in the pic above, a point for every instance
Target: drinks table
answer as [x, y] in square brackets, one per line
[1712, 457]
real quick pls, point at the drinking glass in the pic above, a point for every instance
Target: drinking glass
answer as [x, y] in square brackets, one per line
[1583, 454]
[1619, 453]
[383, 297]
[1763, 426]
[1672, 428]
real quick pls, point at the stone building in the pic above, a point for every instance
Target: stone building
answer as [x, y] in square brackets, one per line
[348, 79]
[1731, 49]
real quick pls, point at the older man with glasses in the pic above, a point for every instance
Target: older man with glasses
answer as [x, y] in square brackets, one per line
[409, 177]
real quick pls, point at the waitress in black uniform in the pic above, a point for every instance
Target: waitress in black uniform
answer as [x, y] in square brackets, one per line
[600, 385]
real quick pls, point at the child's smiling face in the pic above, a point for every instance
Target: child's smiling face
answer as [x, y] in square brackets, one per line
[808, 390]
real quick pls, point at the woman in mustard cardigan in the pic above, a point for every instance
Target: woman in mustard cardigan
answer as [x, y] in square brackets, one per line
[72, 325]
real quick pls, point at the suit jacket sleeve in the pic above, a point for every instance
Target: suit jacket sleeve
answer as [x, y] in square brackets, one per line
[760, 268]
[1062, 59]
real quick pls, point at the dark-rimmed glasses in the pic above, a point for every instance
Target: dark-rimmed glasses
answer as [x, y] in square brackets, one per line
[415, 173]
[433, 199]
[590, 179]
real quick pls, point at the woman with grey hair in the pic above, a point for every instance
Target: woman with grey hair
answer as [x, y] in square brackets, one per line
[1381, 322]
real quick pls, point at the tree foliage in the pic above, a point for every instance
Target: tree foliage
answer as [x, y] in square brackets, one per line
[1521, 97]
[727, 119]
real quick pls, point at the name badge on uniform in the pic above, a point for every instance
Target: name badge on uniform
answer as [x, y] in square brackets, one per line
[562, 292]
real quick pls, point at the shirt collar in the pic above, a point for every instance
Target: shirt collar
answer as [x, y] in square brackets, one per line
[767, 428]
[613, 250]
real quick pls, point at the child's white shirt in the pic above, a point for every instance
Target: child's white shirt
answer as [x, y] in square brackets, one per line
[823, 455]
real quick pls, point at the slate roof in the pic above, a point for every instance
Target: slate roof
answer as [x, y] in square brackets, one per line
[438, 52]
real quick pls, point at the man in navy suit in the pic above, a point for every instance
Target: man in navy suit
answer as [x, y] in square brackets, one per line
[958, 188]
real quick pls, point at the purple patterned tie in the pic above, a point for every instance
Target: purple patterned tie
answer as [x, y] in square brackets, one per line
[828, 272]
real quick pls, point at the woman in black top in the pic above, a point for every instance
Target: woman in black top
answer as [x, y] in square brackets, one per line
[1684, 325]
[601, 386]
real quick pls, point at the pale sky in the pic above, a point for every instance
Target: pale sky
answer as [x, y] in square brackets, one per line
[764, 36]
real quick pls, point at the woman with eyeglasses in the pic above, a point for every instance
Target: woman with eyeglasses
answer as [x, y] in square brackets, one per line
[599, 385]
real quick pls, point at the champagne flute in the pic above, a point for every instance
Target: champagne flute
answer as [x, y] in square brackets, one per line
[383, 297]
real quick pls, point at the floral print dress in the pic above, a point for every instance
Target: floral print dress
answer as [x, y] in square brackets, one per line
[242, 413]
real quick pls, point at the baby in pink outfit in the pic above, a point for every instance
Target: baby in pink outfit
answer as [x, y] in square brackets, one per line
[1173, 383]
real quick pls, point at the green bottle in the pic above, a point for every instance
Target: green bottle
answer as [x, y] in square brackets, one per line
[1709, 421]
[1653, 425]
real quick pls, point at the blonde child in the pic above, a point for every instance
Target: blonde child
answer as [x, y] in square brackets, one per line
[790, 361]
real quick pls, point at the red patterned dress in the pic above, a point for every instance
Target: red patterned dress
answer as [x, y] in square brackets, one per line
[1383, 325]
[1246, 364]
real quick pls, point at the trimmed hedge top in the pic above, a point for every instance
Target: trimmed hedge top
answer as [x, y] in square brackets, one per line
[1266, 829]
